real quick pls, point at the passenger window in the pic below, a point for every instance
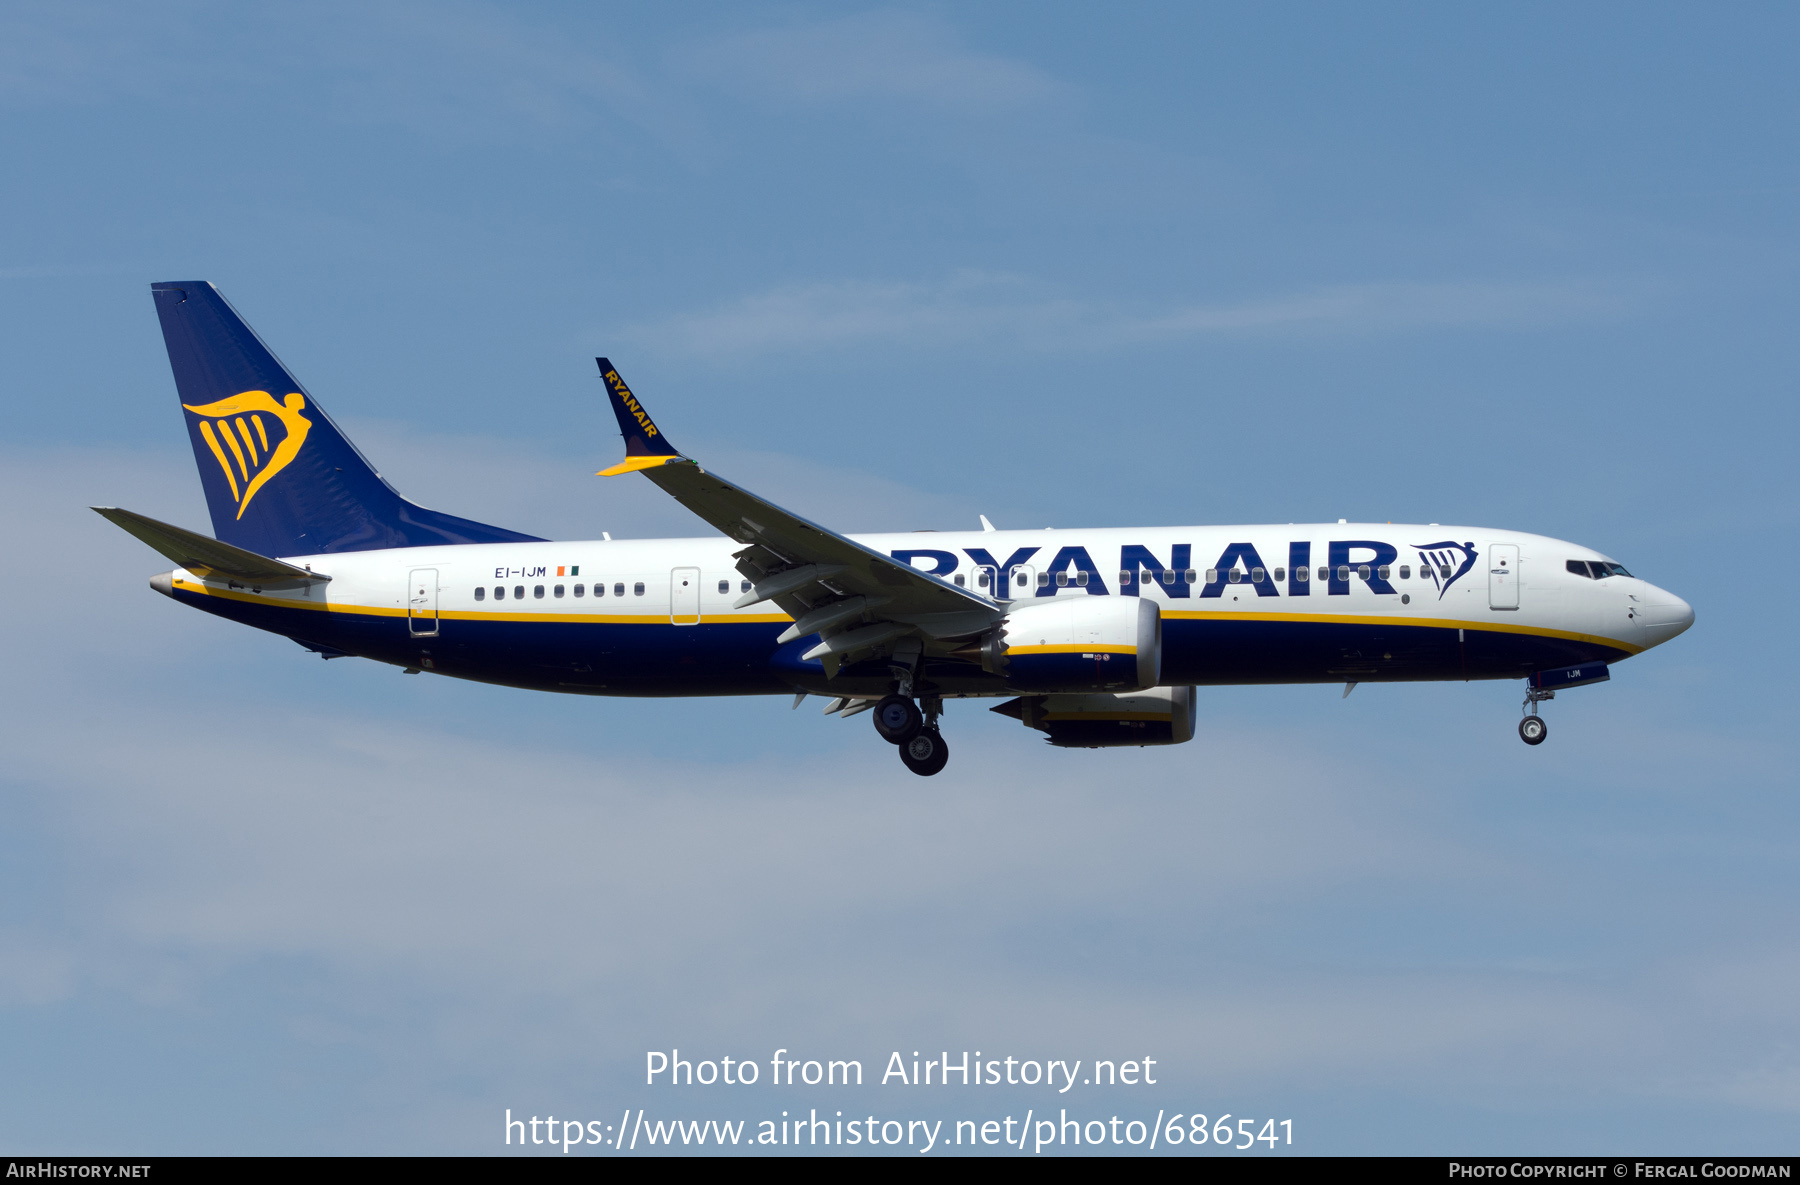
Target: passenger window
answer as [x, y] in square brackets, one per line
[557, 591]
[744, 586]
[619, 589]
[1344, 572]
[1325, 574]
[724, 587]
[499, 592]
[1257, 575]
[1188, 576]
[1280, 575]
[1168, 576]
[1234, 576]
[1302, 574]
[960, 582]
[518, 592]
[637, 590]
[1124, 577]
[1212, 576]
[1362, 571]
[581, 590]
[1383, 571]
[1062, 579]
[538, 591]
[981, 579]
[480, 593]
[1044, 578]
[1406, 571]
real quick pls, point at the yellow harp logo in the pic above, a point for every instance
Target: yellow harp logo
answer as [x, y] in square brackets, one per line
[236, 432]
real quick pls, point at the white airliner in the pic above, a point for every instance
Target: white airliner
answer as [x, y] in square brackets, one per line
[1093, 637]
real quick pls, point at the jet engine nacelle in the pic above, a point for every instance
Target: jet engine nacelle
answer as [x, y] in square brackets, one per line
[1083, 643]
[1158, 716]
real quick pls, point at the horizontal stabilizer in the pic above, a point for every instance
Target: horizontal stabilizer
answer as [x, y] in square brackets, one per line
[208, 558]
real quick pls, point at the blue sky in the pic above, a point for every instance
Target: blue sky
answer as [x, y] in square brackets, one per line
[896, 266]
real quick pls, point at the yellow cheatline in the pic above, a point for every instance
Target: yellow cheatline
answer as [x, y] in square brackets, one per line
[244, 431]
[1089, 648]
[603, 618]
[212, 442]
[633, 464]
[231, 594]
[1441, 623]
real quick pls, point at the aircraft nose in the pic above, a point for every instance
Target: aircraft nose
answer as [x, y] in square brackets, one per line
[1665, 616]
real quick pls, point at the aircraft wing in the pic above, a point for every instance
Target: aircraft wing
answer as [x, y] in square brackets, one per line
[855, 597]
[208, 558]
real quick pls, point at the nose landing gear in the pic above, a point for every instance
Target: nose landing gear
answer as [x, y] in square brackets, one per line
[1532, 729]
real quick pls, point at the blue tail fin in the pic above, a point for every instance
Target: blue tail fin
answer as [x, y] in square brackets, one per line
[280, 479]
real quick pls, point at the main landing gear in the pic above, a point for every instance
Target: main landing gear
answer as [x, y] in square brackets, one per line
[926, 753]
[911, 724]
[897, 719]
[901, 723]
[1532, 729]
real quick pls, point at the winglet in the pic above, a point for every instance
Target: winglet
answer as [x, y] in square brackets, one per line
[645, 445]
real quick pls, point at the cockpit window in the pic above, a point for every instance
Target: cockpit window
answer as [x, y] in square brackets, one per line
[1579, 567]
[1611, 569]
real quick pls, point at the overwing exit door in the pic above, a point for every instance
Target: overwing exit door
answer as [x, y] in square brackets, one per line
[1503, 576]
[684, 596]
[1022, 582]
[422, 602]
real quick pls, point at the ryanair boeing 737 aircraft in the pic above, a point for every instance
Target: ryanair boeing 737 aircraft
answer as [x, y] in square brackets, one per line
[1093, 637]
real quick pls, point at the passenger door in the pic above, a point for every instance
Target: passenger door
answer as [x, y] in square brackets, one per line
[684, 596]
[1503, 576]
[1022, 582]
[421, 602]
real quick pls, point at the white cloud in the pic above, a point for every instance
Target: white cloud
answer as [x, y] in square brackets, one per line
[555, 494]
[459, 70]
[77, 55]
[979, 307]
[905, 57]
[532, 890]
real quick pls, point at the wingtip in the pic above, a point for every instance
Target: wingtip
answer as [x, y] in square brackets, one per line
[633, 464]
